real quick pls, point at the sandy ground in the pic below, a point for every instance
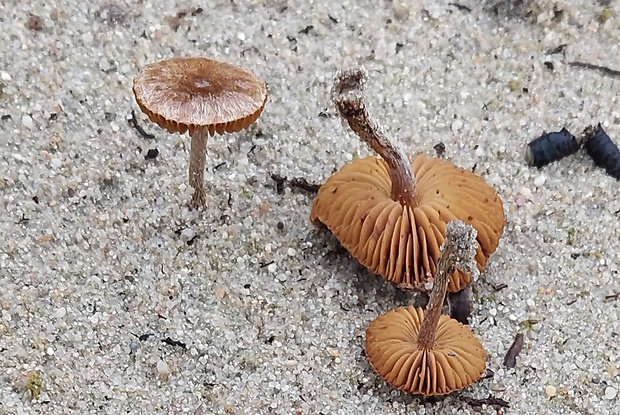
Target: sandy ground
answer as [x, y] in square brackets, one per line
[122, 301]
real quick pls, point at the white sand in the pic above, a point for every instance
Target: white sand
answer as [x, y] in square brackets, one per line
[103, 255]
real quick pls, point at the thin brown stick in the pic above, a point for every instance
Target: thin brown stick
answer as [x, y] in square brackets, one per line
[603, 69]
[348, 96]
[457, 251]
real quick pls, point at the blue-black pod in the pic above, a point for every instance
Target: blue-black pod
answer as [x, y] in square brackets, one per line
[551, 147]
[603, 151]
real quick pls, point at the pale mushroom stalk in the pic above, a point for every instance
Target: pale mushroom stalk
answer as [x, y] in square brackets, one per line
[457, 251]
[197, 161]
[347, 94]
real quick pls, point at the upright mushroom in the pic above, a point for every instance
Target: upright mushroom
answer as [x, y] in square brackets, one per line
[202, 96]
[427, 353]
[390, 213]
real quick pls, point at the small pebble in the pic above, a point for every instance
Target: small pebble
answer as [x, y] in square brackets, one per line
[550, 391]
[34, 22]
[163, 370]
[526, 193]
[133, 346]
[520, 200]
[263, 207]
[88, 38]
[4, 76]
[610, 392]
[540, 180]
[272, 268]
[401, 9]
[60, 313]
[291, 252]
[27, 121]
[187, 234]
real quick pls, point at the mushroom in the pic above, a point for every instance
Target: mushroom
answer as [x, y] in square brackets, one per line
[426, 353]
[390, 213]
[202, 96]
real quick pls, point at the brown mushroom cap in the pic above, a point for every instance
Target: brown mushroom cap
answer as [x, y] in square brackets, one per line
[182, 94]
[401, 242]
[456, 360]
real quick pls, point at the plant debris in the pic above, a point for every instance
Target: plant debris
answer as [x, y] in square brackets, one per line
[551, 147]
[176, 343]
[151, 154]
[33, 384]
[603, 69]
[557, 49]
[461, 7]
[603, 151]
[612, 297]
[490, 401]
[510, 360]
[499, 287]
[440, 149]
[294, 183]
[144, 337]
[133, 121]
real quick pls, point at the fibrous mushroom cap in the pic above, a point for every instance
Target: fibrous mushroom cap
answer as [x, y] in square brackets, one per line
[456, 360]
[401, 242]
[182, 94]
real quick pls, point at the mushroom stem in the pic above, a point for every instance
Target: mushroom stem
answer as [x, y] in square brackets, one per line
[197, 160]
[457, 251]
[347, 94]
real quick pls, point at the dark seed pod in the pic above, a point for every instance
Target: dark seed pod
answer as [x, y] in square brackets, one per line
[602, 150]
[551, 147]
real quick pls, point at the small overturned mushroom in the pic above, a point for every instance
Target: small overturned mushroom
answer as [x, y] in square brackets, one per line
[426, 353]
[390, 213]
[202, 96]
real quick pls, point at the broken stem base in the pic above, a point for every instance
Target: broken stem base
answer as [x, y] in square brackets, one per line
[457, 251]
[348, 95]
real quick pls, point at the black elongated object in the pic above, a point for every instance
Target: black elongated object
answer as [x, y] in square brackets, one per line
[603, 151]
[551, 147]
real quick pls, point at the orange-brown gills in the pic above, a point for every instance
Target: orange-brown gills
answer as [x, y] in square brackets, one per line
[401, 242]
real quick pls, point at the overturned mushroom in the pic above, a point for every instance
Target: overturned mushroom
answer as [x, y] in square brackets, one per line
[390, 213]
[202, 96]
[427, 353]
